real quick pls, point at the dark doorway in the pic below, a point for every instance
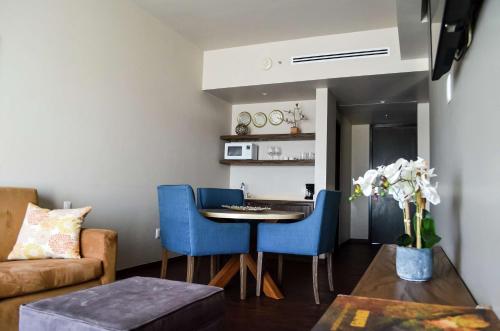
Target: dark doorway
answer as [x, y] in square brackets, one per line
[389, 143]
[338, 136]
[338, 156]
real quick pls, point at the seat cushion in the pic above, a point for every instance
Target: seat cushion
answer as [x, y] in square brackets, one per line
[30, 276]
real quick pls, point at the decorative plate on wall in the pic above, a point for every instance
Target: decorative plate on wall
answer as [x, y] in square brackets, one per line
[259, 119]
[276, 117]
[244, 118]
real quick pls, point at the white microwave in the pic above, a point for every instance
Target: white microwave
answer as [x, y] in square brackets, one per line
[241, 151]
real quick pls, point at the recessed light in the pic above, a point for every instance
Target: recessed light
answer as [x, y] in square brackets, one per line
[264, 93]
[387, 116]
[382, 101]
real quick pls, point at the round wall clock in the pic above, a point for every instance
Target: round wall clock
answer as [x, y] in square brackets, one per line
[276, 117]
[244, 118]
[259, 119]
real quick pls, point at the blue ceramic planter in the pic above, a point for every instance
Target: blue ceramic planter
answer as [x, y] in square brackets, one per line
[414, 264]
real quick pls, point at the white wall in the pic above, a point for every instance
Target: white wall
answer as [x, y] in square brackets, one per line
[326, 117]
[276, 182]
[242, 66]
[100, 103]
[465, 152]
[360, 164]
[423, 131]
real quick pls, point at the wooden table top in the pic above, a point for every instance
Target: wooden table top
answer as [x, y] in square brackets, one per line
[261, 215]
[381, 281]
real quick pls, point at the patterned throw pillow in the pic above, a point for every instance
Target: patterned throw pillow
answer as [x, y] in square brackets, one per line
[49, 234]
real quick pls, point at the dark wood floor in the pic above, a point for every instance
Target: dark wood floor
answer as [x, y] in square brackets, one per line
[298, 310]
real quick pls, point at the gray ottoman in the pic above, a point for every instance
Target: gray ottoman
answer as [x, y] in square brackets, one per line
[137, 303]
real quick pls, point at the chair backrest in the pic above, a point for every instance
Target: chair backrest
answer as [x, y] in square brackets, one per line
[327, 213]
[210, 198]
[176, 205]
[13, 204]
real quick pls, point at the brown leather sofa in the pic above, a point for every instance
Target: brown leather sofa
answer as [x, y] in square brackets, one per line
[32, 280]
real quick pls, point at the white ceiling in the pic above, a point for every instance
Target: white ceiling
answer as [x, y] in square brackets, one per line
[213, 24]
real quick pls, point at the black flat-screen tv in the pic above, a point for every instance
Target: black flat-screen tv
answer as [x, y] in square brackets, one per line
[451, 27]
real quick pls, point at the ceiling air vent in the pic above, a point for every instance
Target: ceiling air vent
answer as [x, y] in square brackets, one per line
[341, 56]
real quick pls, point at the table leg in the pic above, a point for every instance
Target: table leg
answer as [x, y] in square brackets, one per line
[228, 271]
[269, 287]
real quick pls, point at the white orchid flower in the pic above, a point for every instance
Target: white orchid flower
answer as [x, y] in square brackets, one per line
[366, 182]
[430, 193]
[392, 172]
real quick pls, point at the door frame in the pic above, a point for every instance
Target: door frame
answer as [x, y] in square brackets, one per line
[395, 125]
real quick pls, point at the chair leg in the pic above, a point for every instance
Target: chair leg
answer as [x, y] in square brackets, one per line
[315, 279]
[213, 266]
[243, 277]
[329, 267]
[280, 269]
[196, 274]
[164, 263]
[260, 256]
[190, 269]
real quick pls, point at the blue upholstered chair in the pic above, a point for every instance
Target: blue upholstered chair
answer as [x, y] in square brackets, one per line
[185, 231]
[213, 198]
[312, 236]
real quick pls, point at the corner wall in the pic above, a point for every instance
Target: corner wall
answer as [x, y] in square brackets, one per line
[465, 152]
[100, 103]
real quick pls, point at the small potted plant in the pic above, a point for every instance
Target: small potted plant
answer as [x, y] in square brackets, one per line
[296, 117]
[408, 182]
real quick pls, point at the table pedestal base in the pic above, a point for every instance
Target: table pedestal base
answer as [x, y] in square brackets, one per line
[232, 267]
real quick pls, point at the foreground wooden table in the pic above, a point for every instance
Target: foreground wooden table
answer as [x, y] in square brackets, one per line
[381, 281]
[232, 267]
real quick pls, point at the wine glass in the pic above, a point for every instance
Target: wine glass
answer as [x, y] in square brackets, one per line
[270, 152]
[277, 151]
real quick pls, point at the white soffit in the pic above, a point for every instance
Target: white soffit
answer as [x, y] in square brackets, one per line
[413, 29]
[361, 90]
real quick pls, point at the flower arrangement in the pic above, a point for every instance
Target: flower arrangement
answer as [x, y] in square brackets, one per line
[407, 182]
[296, 116]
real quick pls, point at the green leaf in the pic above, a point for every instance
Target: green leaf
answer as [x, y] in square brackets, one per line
[429, 236]
[404, 240]
[427, 230]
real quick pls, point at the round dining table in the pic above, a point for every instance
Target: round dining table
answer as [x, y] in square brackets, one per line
[232, 266]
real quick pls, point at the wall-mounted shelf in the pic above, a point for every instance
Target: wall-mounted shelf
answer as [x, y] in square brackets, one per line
[270, 137]
[269, 162]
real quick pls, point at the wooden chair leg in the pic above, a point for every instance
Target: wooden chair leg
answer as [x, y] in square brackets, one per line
[280, 269]
[190, 269]
[164, 263]
[260, 256]
[243, 277]
[315, 279]
[329, 267]
[213, 266]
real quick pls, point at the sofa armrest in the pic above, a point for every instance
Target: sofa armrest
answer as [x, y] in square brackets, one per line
[101, 244]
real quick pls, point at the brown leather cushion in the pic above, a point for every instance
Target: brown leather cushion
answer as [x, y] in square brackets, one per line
[30, 276]
[13, 203]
